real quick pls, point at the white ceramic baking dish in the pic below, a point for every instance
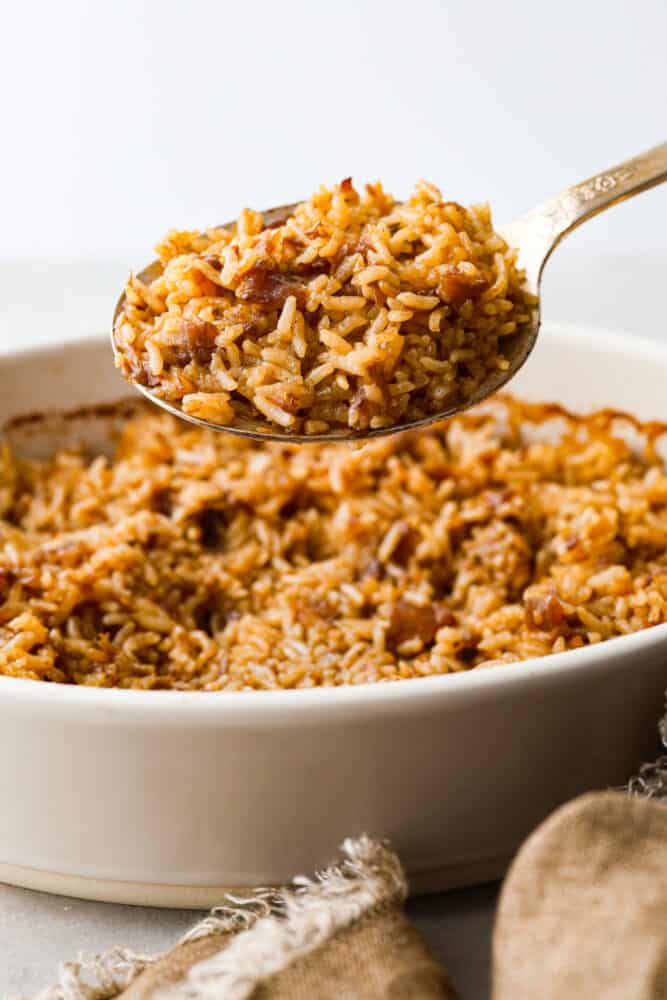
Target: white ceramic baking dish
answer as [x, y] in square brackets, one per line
[165, 798]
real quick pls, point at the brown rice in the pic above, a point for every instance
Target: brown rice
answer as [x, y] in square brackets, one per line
[349, 311]
[204, 561]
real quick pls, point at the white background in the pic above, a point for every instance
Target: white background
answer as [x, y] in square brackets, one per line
[122, 119]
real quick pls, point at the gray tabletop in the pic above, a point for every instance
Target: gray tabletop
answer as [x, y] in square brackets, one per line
[36, 930]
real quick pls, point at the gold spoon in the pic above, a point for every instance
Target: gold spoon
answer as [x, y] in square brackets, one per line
[535, 235]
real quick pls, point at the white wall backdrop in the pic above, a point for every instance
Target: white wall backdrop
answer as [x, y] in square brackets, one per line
[124, 118]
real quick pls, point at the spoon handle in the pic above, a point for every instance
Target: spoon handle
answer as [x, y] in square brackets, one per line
[539, 231]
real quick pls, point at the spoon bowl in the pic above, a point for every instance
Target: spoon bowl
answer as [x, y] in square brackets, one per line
[534, 235]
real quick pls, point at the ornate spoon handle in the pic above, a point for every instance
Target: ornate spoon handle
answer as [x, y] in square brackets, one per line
[539, 231]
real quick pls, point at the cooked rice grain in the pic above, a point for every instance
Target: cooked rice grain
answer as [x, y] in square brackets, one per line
[197, 560]
[353, 312]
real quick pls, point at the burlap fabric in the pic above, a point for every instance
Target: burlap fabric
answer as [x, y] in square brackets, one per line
[342, 934]
[583, 911]
[381, 956]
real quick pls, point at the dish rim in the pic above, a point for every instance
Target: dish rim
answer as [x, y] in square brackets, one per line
[244, 704]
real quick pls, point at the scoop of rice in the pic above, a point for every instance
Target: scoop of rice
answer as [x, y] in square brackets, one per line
[349, 311]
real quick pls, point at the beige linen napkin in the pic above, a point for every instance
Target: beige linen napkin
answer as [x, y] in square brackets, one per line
[340, 935]
[583, 911]
[380, 956]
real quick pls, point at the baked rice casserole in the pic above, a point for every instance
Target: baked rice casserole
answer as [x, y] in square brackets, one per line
[346, 312]
[198, 560]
